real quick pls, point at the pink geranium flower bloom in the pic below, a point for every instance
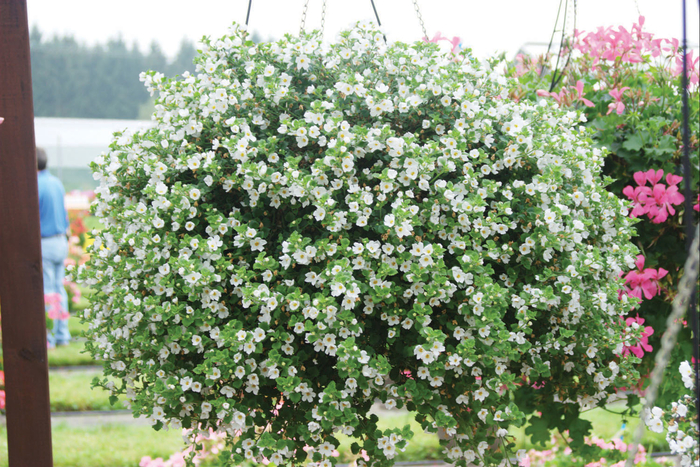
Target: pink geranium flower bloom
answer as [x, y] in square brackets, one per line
[579, 94]
[643, 344]
[658, 201]
[639, 195]
[618, 106]
[644, 281]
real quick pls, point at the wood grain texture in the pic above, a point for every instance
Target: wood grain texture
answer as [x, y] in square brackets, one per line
[21, 281]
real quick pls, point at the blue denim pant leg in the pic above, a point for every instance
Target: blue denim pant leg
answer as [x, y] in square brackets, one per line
[53, 254]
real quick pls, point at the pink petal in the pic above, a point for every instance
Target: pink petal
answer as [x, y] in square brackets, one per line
[640, 262]
[653, 176]
[672, 179]
[640, 177]
[650, 289]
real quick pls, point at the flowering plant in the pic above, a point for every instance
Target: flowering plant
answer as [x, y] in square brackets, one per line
[680, 421]
[308, 229]
[628, 84]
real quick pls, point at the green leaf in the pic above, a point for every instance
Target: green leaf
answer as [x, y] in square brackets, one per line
[538, 430]
[633, 143]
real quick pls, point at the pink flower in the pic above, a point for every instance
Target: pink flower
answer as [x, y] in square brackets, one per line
[617, 106]
[579, 94]
[455, 41]
[658, 201]
[644, 281]
[664, 199]
[697, 206]
[639, 195]
[557, 97]
[54, 310]
[1, 120]
[653, 177]
[692, 64]
[639, 348]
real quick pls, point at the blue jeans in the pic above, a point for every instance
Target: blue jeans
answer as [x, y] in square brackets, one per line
[53, 254]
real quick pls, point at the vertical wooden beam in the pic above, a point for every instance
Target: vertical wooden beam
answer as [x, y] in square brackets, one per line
[21, 281]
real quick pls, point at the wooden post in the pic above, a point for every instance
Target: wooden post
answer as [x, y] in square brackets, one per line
[21, 281]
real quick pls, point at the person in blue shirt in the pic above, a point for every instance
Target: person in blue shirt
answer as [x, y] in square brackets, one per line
[54, 249]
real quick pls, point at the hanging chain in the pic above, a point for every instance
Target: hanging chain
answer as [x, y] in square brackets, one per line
[303, 17]
[323, 17]
[636, 5]
[686, 286]
[420, 18]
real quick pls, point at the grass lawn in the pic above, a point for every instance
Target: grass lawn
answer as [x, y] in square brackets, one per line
[105, 446]
[70, 391]
[70, 355]
[125, 445]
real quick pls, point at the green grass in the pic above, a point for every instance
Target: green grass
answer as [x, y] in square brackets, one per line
[75, 327]
[70, 355]
[125, 445]
[70, 391]
[606, 425]
[105, 446]
[92, 222]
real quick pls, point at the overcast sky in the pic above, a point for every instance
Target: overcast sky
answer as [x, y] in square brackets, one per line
[487, 26]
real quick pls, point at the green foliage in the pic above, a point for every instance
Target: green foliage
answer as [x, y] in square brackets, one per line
[307, 230]
[641, 128]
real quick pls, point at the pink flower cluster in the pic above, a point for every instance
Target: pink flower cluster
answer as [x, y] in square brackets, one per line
[643, 281]
[620, 44]
[609, 44]
[643, 344]
[455, 41]
[656, 200]
[52, 301]
[544, 458]
[212, 444]
[564, 94]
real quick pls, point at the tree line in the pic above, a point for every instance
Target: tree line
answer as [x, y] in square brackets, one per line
[71, 79]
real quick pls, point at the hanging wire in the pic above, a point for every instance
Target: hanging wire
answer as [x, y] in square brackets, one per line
[636, 5]
[420, 18]
[303, 17]
[247, 16]
[379, 23]
[555, 79]
[551, 39]
[689, 217]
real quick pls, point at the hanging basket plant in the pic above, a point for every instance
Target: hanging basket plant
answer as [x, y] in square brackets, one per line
[310, 229]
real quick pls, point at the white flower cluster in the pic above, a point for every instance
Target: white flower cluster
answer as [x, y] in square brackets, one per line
[309, 228]
[681, 421]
